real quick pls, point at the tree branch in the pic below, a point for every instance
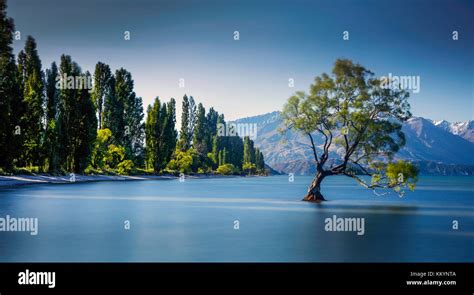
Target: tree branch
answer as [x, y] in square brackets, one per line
[314, 148]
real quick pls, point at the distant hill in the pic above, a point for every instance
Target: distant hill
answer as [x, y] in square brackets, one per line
[434, 148]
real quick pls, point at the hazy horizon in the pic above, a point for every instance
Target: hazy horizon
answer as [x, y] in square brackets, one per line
[279, 40]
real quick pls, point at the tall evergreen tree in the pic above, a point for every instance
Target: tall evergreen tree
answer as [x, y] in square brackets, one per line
[188, 122]
[184, 143]
[217, 142]
[22, 73]
[150, 121]
[160, 134]
[87, 132]
[112, 109]
[10, 101]
[66, 113]
[123, 91]
[77, 123]
[52, 92]
[154, 131]
[102, 88]
[135, 129]
[249, 151]
[200, 131]
[192, 119]
[211, 128]
[170, 133]
[235, 149]
[259, 160]
[51, 134]
[33, 98]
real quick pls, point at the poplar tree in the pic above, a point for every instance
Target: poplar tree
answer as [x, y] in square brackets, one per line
[33, 101]
[51, 92]
[77, 123]
[86, 134]
[154, 131]
[123, 91]
[170, 133]
[211, 128]
[135, 129]
[249, 152]
[184, 143]
[67, 111]
[51, 147]
[102, 89]
[200, 131]
[10, 102]
[259, 160]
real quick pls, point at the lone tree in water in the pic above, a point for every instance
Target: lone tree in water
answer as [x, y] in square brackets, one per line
[353, 120]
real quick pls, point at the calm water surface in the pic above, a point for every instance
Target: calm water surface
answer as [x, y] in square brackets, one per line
[194, 221]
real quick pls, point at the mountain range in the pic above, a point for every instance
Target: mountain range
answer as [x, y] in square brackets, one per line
[463, 129]
[436, 147]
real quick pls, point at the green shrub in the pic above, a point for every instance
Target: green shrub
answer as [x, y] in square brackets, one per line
[249, 168]
[114, 156]
[226, 169]
[182, 162]
[125, 167]
[92, 171]
[27, 170]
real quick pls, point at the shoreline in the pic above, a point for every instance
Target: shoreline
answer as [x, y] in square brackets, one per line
[11, 181]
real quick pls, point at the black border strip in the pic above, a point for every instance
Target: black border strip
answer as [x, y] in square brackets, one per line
[226, 277]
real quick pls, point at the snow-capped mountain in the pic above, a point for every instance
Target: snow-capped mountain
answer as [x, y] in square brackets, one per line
[436, 150]
[463, 129]
[427, 142]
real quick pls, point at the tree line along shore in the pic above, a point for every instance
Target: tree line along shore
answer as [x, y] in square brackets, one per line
[65, 120]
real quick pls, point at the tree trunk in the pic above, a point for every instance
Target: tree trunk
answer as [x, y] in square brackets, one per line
[314, 190]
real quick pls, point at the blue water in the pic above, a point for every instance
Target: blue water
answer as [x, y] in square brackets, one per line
[193, 221]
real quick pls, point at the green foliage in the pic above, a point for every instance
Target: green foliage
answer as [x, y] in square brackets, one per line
[169, 130]
[249, 168]
[90, 170]
[113, 108]
[182, 162]
[51, 91]
[249, 151]
[10, 110]
[200, 131]
[87, 130]
[253, 158]
[51, 137]
[113, 156]
[125, 167]
[402, 173]
[160, 134]
[226, 169]
[77, 123]
[109, 157]
[101, 146]
[32, 87]
[352, 111]
[188, 120]
[51, 147]
[259, 161]
[103, 84]
[132, 135]
[60, 126]
[228, 149]
[30, 170]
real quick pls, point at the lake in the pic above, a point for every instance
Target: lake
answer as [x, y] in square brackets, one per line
[252, 219]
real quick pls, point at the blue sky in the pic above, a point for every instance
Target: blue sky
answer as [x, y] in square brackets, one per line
[279, 40]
